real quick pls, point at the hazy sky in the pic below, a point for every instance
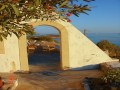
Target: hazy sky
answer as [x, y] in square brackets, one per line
[104, 18]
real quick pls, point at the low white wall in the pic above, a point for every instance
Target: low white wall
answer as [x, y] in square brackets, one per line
[10, 60]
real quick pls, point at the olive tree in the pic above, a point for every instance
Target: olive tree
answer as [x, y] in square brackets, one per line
[13, 12]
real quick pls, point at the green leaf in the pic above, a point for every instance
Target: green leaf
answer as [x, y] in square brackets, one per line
[76, 14]
[37, 2]
[1, 39]
[3, 7]
[4, 23]
[8, 10]
[69, 6]
[15, 9]
[9, 33]
[4, 36]
[40, 2]
[84, 12]
[64, 3]
[16, 34]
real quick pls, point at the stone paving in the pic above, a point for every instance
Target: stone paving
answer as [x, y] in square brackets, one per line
[63, 80]
[50, 78]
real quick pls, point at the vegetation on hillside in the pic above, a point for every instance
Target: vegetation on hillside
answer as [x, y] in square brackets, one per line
[109, 81]
[114, 51]
[41, 38]
[112, 76]
[13, 12]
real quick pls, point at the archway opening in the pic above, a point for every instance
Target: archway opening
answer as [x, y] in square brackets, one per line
[44, 49]
[64, 44]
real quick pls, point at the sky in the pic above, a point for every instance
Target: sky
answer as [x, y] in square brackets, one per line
[104, 18]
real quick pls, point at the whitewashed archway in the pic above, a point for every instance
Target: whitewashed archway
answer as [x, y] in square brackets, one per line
[64, 52]
[77, 51]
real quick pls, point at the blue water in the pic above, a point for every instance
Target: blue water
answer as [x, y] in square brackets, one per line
[57, 39]
[111, 37]
[97, 37]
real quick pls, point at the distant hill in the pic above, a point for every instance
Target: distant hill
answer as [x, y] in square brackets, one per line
[53, 36]
[50, 35]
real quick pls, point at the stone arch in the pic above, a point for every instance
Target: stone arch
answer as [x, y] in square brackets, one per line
[64, 50]
[77, 51]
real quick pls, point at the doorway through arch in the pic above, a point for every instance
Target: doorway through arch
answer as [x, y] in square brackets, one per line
[44, 49]
[64, 50]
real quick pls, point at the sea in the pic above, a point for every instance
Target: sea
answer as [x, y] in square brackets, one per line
[113, 38]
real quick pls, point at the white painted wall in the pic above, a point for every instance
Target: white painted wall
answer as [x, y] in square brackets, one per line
[83, 53]
[11, 55]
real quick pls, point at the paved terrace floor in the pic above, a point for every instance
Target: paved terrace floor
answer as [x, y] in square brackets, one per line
[57, 80]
